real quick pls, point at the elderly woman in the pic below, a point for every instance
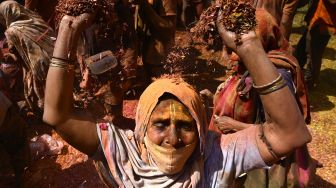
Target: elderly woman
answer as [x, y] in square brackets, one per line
[171, 146]
[237, 107]
[31, 39]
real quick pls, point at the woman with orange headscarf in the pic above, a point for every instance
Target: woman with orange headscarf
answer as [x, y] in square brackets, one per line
[170, 146]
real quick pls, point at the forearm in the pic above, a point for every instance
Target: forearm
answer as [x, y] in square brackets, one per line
[264, 72]
[286, 129]
[59, 83]
[76, 127]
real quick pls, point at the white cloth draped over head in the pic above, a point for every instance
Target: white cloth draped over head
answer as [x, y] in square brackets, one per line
[126, 154]
[34, 41]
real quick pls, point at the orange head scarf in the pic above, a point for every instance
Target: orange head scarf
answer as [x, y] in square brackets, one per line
[180, 89]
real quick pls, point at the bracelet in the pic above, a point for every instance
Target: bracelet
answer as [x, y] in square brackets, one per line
[269, 84]
[61, 64]
[265, 141]
[275, 87]
[67, 67]
[69, 61]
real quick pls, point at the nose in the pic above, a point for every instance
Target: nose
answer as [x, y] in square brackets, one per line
[173, 138]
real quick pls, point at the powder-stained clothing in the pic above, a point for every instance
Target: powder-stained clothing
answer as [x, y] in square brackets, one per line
[277, 8]
[323, 16]
[123, 157]
[33, 40]
[282, 10]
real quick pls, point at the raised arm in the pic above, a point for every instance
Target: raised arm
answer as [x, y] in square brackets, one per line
[285, 130]
[76, 127]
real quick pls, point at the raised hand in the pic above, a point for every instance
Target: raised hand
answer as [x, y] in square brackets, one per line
[78, 23]
[229, 37]
[68, 34]
[225, 124]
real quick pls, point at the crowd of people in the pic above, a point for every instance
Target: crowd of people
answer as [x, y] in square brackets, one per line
[73, 72]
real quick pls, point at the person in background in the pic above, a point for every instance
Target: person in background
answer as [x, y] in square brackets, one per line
[31, 40]
[282, 10]
[156, 27]
[192, 10]
[321, 21]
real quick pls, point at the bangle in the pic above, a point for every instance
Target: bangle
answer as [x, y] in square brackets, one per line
[61, 64]
[69, 61]
[269, 84]
[275, 85]
[67, 67]
[266, 142]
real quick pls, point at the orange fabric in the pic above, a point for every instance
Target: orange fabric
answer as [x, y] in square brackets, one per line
[325, 17]
[269, 32]
[282, 59]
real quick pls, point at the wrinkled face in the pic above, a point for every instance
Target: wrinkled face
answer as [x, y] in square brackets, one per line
[171, 125]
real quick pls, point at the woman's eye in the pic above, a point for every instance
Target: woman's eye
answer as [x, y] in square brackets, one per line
[187, 127]
[159, 125]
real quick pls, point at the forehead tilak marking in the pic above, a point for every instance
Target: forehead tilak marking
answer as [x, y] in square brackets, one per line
[172, 110]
